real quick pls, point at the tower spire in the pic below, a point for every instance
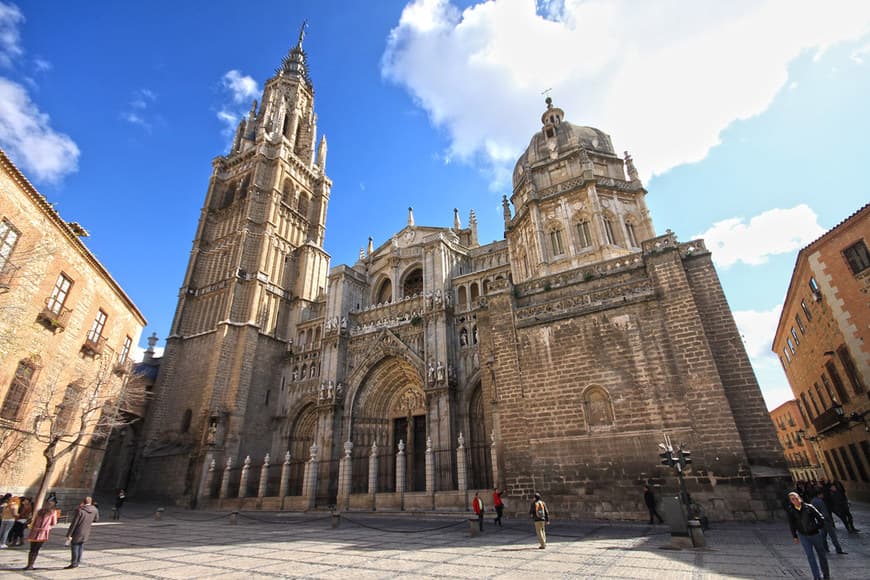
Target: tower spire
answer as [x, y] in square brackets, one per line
[294, 64]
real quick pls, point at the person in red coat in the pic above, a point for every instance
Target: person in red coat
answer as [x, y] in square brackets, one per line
[477, 504]
[498, 504]
[45, 519]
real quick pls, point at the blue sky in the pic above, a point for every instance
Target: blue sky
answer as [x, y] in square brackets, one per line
[746, 119]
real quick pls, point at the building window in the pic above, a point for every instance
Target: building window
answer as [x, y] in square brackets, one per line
[851, 372]
[806, 310]
[8, 237]
[125, 350]
[787, 354]
[608, 232]
[632, 239]
[556, 242]
[822, 397]
[838, 382]
[59, 294]
[858, 464]
[790, 344]
[816, 407]
[583, 235]
[847, 463]
[66, 411]
[794, 335]
[835, 465]
[858, 257]
[16, 396]
[96, 331]
[800, 323]
[814, 286]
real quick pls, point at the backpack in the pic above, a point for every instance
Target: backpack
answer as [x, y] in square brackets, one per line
[540, 510]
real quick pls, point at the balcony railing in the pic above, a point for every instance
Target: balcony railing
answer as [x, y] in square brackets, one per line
[7, 272]
[54, 317]
[94, 345]
[828, 420]
[123, 368]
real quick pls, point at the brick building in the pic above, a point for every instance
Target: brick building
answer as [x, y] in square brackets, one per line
[791, 426]
[66, 330]
[553, 360]
[823, 343]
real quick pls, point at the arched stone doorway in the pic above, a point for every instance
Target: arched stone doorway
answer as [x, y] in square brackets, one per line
[479, 450]
[299, 443]
[389, 407]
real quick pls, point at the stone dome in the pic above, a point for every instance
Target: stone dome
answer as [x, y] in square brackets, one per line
[560, 137]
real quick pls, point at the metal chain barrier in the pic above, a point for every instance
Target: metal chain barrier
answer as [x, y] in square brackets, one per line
[283, 521]
[435, 529]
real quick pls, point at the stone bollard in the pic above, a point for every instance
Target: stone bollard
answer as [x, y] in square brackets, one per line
[336, 519]
[473, 527]
[234, 518]
[158, 515]
[697, 534]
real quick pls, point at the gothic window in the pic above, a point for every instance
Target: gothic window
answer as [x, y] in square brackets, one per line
[475, 292]
[632, 238]
[59, 294]
[463, 296]
[556, 242]
[597, 407]
[413, 283]
[229, 194]
[243, 190]
[857, 256]
[8, 238]
[583, 236]
[19, 389]
[608, 232]
[66, 411]
[186, 420]
[287, 192]
[385, 292]
[303, 205]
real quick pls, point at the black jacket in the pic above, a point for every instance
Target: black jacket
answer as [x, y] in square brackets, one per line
[807, 520]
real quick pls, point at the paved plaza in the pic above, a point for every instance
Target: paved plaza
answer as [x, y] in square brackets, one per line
[197, 544]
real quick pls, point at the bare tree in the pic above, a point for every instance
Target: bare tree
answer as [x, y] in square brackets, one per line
[86, 415]
[11, 442]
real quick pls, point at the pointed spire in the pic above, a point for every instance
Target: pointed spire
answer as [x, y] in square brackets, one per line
[410, 216]
[457, 225]
[294, 64]
[371, 247]
[472, 224]
[506, 210]
[321, 153]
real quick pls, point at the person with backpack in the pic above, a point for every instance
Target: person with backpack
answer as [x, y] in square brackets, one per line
[806, 522]
[479, 509]
[541, 515]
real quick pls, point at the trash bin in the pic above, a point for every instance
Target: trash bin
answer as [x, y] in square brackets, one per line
[473, 527]
[675, 517]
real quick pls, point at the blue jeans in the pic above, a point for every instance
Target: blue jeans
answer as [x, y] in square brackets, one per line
[829, 530]
[76, 553]
[812, 545]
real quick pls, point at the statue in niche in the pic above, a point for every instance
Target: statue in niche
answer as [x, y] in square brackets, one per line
[431, 372]
[463, 337]
[474, 335]
[295, 375]
[322, 392]
[437, 297]
[344, 323]
[211, 437]
[440, 372]
[329, 390]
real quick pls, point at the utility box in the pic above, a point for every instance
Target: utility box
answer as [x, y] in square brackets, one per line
[675, 517]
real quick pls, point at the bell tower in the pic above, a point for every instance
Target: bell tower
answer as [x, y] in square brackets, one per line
[257, 267]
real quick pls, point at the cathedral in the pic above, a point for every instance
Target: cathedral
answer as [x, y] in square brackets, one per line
[553, 360]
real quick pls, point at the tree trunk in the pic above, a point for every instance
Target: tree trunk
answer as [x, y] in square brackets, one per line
[43, 484]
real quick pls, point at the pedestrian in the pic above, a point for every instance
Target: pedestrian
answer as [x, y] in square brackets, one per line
[828, 529]
[498, 504]
[541, 515]
[119, 503]
[79, 530]
[9, 514]
[839, 505]
[25, 511]
[479, 509]
[649, 499]
[805, 522]
[45, 519]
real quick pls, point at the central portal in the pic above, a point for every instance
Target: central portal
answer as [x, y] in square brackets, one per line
[412, 430]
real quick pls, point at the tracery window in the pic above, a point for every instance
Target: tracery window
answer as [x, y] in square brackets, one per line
[556, 242]
[608, 232]
[584, 238]
[629, 230]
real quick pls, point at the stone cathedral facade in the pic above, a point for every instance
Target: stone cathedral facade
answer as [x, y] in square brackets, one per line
[555, 359]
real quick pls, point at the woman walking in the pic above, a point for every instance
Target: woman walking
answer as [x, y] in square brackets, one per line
[45, 519]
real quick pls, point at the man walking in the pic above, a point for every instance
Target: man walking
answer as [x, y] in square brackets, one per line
[79, 530]
[477, 504]
[498, 504]
[649, 499]
[828, 529]
[541, 515]
[805, 522]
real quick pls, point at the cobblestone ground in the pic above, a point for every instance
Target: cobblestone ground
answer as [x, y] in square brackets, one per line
[189, 545]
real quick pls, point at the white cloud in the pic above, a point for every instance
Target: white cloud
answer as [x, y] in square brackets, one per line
[27, 136]
[10, 39]
[776, 231]
[664, 78]
[138, 110]
[242, 88]
[137, 353]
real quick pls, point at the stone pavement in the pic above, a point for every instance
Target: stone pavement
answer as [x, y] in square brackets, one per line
[196, 544]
